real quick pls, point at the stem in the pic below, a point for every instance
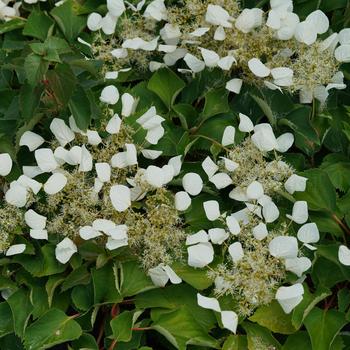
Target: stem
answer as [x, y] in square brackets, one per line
[341, 224]
[112, 346]
[214, 141]
[141, 328]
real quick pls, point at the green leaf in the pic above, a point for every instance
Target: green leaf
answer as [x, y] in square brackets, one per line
[300, 341]
[52, 283]
[166, 84]
[235, 342]
[38, 25]
[21, 310]
[78, 276]
[29, 99]
[273, 318]
[83, 297]
[6, 320]
[258, 336]
[86, 342]
[265, 107]
[339, 174]
[323, 326]
[216, 102]
[122, 326]
[62, 82]
[79, 106]
[343, 299]
[9, 26]
[67, 19]
[35, 68]
[53, 328]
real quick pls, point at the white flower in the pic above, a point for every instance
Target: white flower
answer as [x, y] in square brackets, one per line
[344, 255]
[260, 231]
[290, 297]
[255, 190]
[151, 154]
[208, 303]
[264, 138]
[125, 159]
[221, 180]
[113, 244]
[245, 124]
[16, 249]
[120, 197]
[236, 251]
[29, 183]
[38, 234]
[140, 44]
[170, 34]
[200, 255]
[64, 250]
[218, 16]
[45, 159]
[161, 274]
[306, 32]
[199, 32]
[94, 138]
[225, 63]
[284, 142]
[61, 131]
[31, 140]
[103, 171]
[209, 167]
[86, 160]
[249, 19]
[295, 183]
[114, 124]
[16, 195]
[233, 224]
[5, 164]
[212, 210]
[110, 95]
[55, 183]
[218, 235]
[270, 211]
[195, 64]
[119, 53]
[156, 10]
[220, 34]
[109, 23]
[300, 212]
[94, 21]
[342, 53]
[35, 220]
[88, 232]
[192, 183]
[129, 104]
[158, 177]
[182, 201]
[283, 76]
[308, 233]
[228, 138]
[319, 21]
[284, 247]
[103, 225]
[238, 194]
[258, 68]
[176, 163]
[229, 320]
[298, 265]
[31, 171]
[199, 237]
[211, 58]
[116, 7]
[234, 85]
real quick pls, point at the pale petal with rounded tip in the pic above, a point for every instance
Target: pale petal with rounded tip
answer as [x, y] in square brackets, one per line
[173, 277]
[176, 163]
[212, 210]
[344, 255]
[255, 190]
[154, 176]
[65, 250]
[94, 138]
[86, 160]
[120, 197]
[119, 232]
[200, 255]
[151, 154]
[284, 247]
[300, 212]
[195, 64]
[116, 7]
[218, 16]
[29, 183]
[220, 34]
[245, 123]
[249, 19]
[15, 249]
[129, 104]
[308, 233]
[45, 159]
[239, 194]
[234, 85]
[218, 235]
[295, 183]
[113, 244]
[319, 21]
[31, 171]
[306, 33]
[5, 164]
[258, 68]
[55, 183]
[342, 53]
[87, 232]
[229, 320]
[211, 58]
[103, 171]
[344, 36]
[35, 220]
[270, 212]
[154, 135]
[260, 231]
[61, 131]
[290, 297]
[298, 265]
[221, 180]
[156, 10]
[119, 53]
[110, 95]
[31, 140]
[225, 63]
[284, 142]
[236, 251]
[182, 201]
[192, 183]
[233, 225]
[199, 237]
[208, 303]
[230, 165]
[94, 21]
[158, 276]
[199, 31]
[16, 195]
[38, 234]
[109, 23]
[228, 138]
[209, 167]
[103, 225]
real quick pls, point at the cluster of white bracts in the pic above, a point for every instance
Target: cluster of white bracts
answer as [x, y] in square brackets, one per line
[280, 19]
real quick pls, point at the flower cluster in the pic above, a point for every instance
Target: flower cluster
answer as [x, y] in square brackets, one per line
[277, 50]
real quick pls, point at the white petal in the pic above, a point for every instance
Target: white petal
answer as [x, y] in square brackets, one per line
[233, 225]
[225, 63]
[273, 20]
[174, 278]
[151, 154]
[74, 156]
[270, 212]
[290, 297]
[31, 171]
[208, 303]
[264, 138]
[103, 171]
[199, 237]
[298, 265]
[61, 131]
[154, 135]
[330, 43]
[94, 138]
[87, 232]
[199, 32]
[211, 58]
[158, 276]
[129, 104]
[218, 16]
[260, 231]
[86, 160]
[109, 23]
[285, 142]
[45, 159]
[182, 201]
[29, 183]
[306, 33]
[249, 19]
[170, 34]
[119, 160]
[229, 320]
[176, 163]
[218, 235]
[209, 167]
[245, 124]
[234, 85]
[154, 176]
[342, 53]
[119, 53]
[258, 68]
[230, 165]
[255, 190]
[16, 249]
[35, 220]
[238, 194]
[156, 10]
[5, 164]
[195, 64]
[94, 21]
[192, 183]
[38, 234]
[113, 244]
[116, 7]
[236, 251]
[212, 210]
[284, 247]
[228, 137]
[64, 250]
[282, 76]
[110, 95]
[119, 232]
[55, 183]
[344, 255]
[295, 183]
[319, 21]
[300, 212]
[308, 233]
[200, 255]
[31, 140]
[221, 180]
[103, 225]
[220, 34]
[120, 197]
[16, 195]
